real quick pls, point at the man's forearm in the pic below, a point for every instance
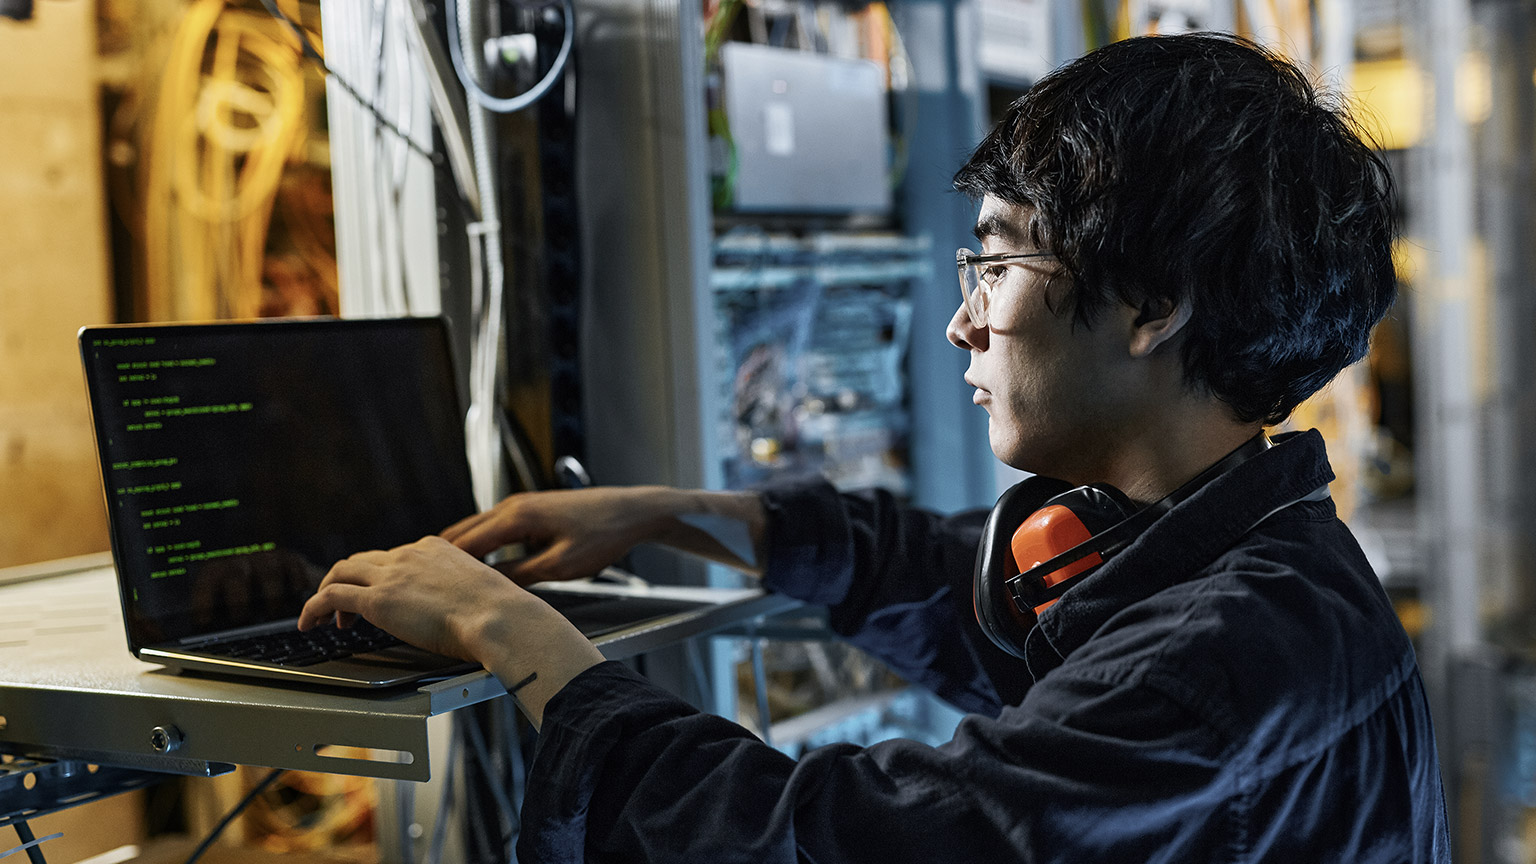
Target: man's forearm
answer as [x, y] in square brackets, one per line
[728, 527]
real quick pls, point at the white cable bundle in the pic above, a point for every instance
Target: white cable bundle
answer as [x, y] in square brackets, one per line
[384, 189]
[480, 429]
[385, 201]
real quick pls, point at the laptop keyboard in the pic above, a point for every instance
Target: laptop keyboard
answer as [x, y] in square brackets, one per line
[292, 648]
[593, 615]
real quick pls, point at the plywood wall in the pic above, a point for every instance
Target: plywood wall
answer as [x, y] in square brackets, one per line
[53, 279]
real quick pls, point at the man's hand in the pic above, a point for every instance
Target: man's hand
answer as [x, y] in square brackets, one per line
[569, 534]
[436, 596]
[575, 533]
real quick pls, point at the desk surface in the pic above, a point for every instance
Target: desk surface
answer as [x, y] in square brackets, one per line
[69, 689]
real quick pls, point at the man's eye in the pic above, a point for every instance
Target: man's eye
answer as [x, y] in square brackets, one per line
[991, 274]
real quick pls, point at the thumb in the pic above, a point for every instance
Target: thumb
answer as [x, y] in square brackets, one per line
[548, 565]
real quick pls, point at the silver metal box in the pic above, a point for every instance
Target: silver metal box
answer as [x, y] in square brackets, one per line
[810, 131]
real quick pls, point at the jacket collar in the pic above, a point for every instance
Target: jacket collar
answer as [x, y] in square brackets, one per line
[1181, 543]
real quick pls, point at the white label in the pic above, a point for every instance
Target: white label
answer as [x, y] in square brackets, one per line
[779, 129]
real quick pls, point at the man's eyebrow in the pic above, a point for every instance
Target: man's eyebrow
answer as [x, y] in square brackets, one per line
[993, 226]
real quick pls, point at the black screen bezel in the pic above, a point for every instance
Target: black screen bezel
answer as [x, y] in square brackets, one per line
[437, 338]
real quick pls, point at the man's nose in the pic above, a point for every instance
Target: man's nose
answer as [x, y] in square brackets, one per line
[965, 335]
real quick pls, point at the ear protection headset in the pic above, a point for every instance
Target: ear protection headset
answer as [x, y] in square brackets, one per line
[1064, 533]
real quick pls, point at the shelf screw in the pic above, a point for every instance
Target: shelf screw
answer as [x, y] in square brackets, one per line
[165, 739]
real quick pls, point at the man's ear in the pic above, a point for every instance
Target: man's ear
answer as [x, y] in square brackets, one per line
[1156, 325]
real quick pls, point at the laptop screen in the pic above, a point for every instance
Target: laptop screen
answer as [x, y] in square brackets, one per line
[242, 460]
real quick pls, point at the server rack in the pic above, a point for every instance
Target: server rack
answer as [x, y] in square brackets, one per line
[660, 277]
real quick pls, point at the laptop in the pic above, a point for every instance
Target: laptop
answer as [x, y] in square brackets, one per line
[241, 460]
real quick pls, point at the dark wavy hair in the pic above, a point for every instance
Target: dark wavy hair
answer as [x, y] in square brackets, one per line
[1203, 169]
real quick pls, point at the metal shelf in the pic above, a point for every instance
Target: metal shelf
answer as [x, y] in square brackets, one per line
[69, 689]
[762, 260]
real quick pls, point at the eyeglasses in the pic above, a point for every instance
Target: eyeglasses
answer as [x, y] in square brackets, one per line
[979, 273]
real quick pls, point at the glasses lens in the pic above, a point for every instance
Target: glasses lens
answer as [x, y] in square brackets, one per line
[971, 288]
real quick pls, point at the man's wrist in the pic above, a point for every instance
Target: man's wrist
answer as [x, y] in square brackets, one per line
[653, 512]
[722, 526]
[530, 648]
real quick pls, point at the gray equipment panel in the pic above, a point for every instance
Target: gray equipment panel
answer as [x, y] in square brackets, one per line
[810, 131]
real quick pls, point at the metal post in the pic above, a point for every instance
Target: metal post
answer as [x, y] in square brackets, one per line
[952, 464]
[1450, 449]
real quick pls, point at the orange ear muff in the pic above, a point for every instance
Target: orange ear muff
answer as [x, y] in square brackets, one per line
[1048, 532]
[1066, 522]
[996, 614]
[1052, 519]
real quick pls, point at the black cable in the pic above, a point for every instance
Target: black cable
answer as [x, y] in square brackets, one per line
[446, 802]
[478, 842]
[230, 816]
[696, 667]
[518, 767]
[308, 49]
[507, 814]
[29, 843]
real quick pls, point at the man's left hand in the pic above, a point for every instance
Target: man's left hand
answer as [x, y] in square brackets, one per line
[438, 597]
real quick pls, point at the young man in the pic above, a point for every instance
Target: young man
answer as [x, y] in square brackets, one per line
[1181, 242]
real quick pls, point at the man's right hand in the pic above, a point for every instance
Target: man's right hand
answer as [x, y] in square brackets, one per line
[568, 534]
[571, 534]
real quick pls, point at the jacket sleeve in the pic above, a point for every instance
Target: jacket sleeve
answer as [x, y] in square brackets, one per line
[896, 582]
[1083, 770]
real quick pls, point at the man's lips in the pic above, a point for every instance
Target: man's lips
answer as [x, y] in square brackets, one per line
[982, 394]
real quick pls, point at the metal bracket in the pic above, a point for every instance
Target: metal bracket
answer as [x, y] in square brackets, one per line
[36, 787]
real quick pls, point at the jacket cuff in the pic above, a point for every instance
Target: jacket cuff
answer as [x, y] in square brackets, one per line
[809, 543]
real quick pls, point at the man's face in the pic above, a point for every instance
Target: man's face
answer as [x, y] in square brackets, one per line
[1056, 393]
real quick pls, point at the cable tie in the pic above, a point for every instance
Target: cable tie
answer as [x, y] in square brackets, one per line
[29, 844]
[532, 676]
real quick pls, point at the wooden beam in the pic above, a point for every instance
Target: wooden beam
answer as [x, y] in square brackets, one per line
[55, 278]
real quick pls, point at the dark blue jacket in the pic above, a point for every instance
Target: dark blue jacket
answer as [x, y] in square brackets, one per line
[1207, 695]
